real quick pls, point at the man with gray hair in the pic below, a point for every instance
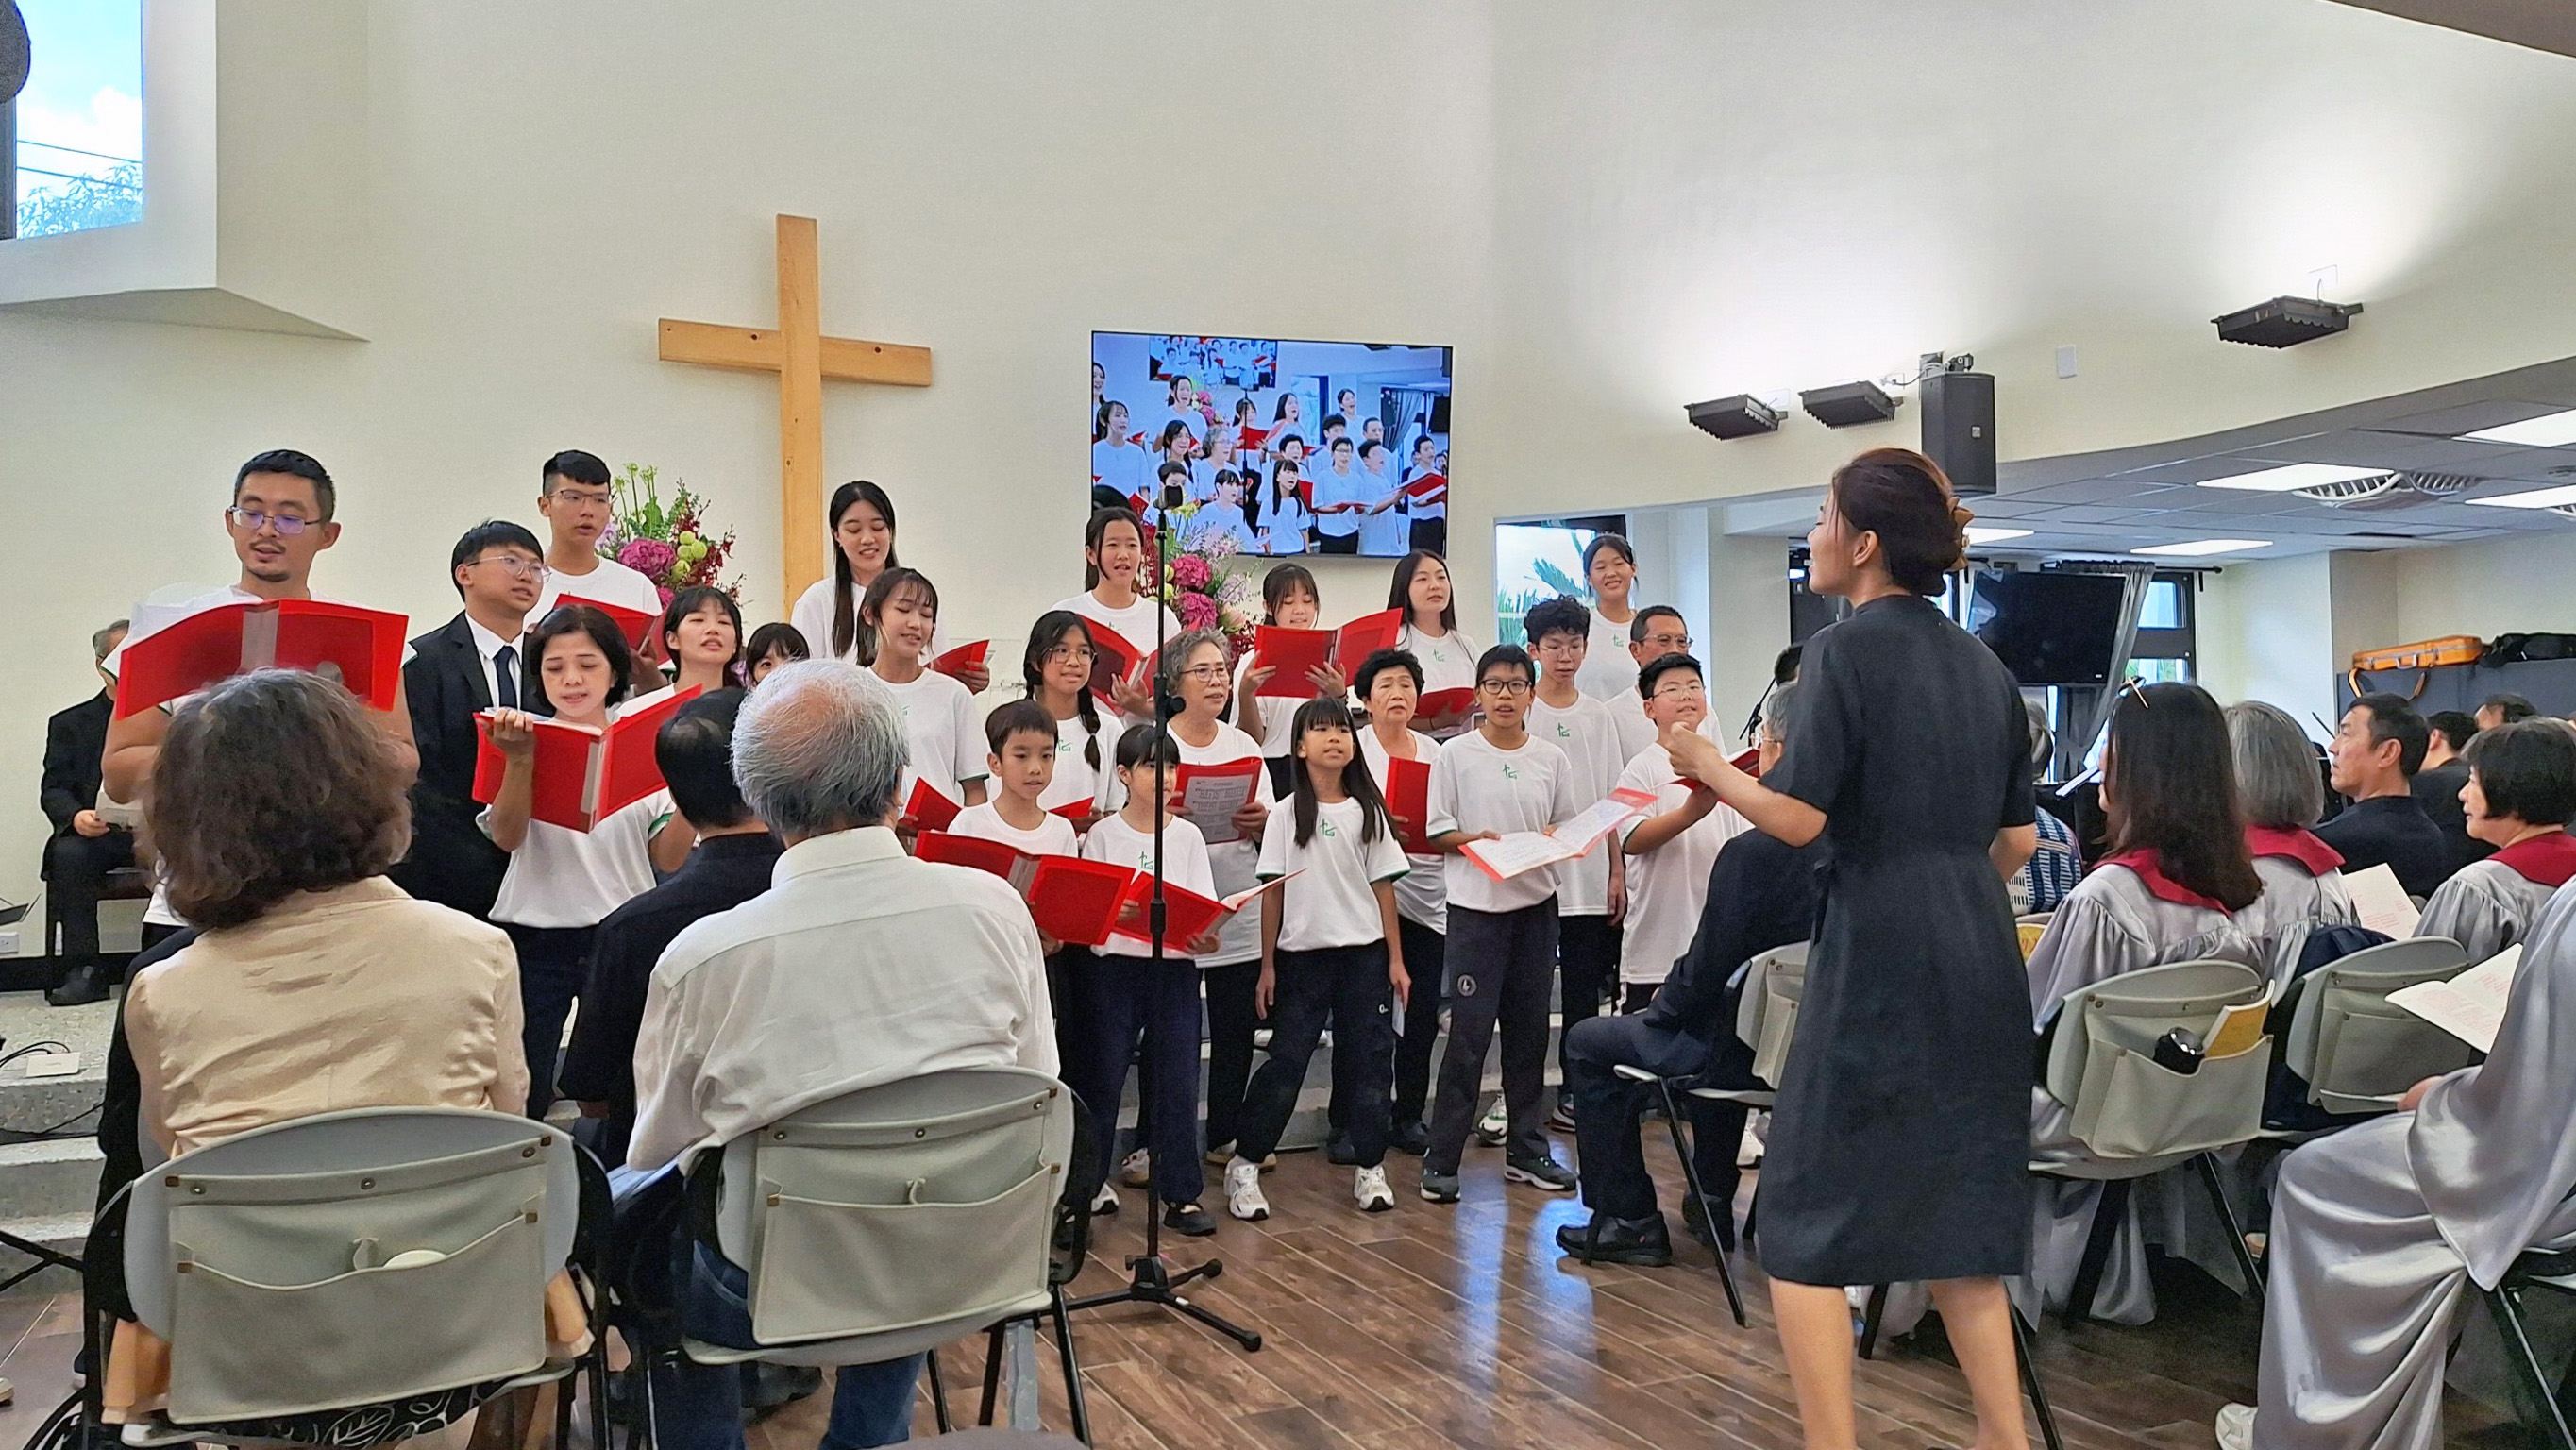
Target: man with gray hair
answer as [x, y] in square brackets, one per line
[858, 966]
[85, 846]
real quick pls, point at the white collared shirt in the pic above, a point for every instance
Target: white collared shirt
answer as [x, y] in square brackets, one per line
[486, 645]
[858, 966]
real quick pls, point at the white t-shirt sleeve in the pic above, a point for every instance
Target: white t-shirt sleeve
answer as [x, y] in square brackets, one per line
[968, 746]
[812, 617]
[1188, 867]
[1568, 800]
[1441, 805]
[1274, 850]
[1385, 860]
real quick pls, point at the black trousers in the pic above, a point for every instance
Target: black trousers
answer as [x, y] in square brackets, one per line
[1587, 951]
[1348, 986]
[553, 963]
[1231, 1018]
[1606, 1109]
[1337, 544]
[1432, 535]
[1118, 998]
[76, 867]
[1638, 996]
[1425, 953]
[1501, 966]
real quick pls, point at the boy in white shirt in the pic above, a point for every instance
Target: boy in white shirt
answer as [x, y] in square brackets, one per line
[1671, 847]
[1021, 765]
[1340, 492]
[573, 494]
[1591, 892]
[1496, 779]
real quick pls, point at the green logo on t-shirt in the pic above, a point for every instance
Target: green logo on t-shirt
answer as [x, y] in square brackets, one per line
[1564, 734]
[1327, 828]
[1510, 773]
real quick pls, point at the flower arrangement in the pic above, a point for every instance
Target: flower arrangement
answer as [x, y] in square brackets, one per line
[669, 545]
[1202, 585]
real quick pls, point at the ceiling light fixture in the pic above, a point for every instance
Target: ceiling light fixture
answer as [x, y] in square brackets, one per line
[1995, 536]
[2201, 548]
[2549, 430]
[2538, 498]
[2286, 321]
[1741, 416]
[1847, 404]
[2290, 477]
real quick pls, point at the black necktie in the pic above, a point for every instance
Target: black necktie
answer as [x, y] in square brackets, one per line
[505, 677]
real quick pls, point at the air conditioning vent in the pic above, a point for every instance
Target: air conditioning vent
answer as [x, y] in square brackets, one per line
[2387, 491]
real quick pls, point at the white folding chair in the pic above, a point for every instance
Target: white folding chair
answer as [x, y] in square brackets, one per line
[2356, 1052]
[2546, 1416]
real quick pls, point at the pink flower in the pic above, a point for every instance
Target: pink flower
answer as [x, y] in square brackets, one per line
[666, 591]
[1189, 571]
[651, 558]
[1197, 611]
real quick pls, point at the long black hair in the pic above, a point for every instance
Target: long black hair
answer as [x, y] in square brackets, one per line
[847, 628]
[881, 593]
[1323, 713]
[687, 602]
[1399, 594]
[1096, 530]
[1045, 635]
[2172, 791]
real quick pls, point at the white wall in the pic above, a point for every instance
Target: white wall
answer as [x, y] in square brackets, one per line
[1609, 210]
[2266, 632]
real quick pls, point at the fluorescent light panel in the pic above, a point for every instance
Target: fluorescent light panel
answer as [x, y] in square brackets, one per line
[2549, 430]
[2538, 498]
[1995, 536]
[2290, 476]
[2199, 548]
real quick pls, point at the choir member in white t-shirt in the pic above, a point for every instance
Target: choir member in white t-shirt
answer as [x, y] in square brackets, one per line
[861, 519]
[1122, 992]
[1251, 440]
[1673, 846]
[773, 644]
[939, 721]
[1280, 517]
[1290, 600]
[1494, 780]
[1055, 671]
[1346, 406]
[1225, 517]
[1117, 462]
[573, 494]
[1214, 456]
[1385, 531]
[1609, 672]
[1340, 495]
[1180, 406]
[1420, 588]
[1287, 420]
[702, 635]
[1175, 444]
[1330, 953]
[1195, 674]
[2520, 795]
[1389, 682]
[1021, 738]
[1113, 553]
[1430, 508]
[1591, 891]
[561, 882]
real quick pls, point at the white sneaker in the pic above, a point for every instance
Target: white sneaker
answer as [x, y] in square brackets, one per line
[1496, 1124]
[1136, 1170]
[2235, 1427]
[1369, 1187]
[1243, 1191]
[1105, 1202]
[1748, 1149]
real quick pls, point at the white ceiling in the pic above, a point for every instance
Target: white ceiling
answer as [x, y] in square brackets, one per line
[2114, 502]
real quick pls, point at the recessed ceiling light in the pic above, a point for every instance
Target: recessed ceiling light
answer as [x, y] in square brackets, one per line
[1995, 536]
[2199, 547]
[2291, 476]
[2549, 430]
[2538, 498]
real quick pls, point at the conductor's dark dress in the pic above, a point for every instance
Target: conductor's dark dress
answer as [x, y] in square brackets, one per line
[1901, 1139]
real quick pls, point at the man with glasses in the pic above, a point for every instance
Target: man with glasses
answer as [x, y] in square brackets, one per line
[279, 519]
[1656, 631]
[469, 664]
[573, 494]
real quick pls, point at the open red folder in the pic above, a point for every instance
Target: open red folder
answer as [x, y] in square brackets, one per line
[635, 624]
[1187, 916]
[1442, 705]
[584, 774]
[1292, 652]
[1428, 487]
[1252, 437]
[1113, 658]
[1521, 851]
[1070, 899]
[1211, 794]
[363, 646]
[1408, 801]
[927, 809]
[954, 663]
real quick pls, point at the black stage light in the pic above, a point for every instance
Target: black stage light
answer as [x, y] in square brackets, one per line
[1741, 416]
[2286, 321]
[1848, 403]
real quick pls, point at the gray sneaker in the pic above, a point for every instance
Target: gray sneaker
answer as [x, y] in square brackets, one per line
[1495, 1124]
[1440, 1187]
[1539, 1171]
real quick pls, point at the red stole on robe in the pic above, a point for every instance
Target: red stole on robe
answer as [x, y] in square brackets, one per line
[2548, 860]
[2150, 870]
[2313, 855]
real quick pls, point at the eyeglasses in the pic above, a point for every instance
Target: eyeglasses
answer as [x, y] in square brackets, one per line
[1667, 643]
[1066, 654]
[251, 520]
[1508, 689]
[582, 497]
[1688, 690]
[1205, 674]
[514, 566]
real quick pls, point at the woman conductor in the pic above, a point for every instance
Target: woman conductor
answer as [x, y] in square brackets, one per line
[1902, 1133]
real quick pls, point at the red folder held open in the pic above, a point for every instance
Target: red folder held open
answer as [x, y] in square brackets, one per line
[1408, 802]
[956, 662]
[1070, 899]
[927, 809]
[363, 646]
[584, 774]
[1187, 916]
[635, 624]
[1428, 488]
[1113, 658]
[1292, 652]
[1446, 704]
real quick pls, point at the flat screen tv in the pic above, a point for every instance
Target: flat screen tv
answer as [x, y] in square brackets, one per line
[2048, 628]
[1247, 429]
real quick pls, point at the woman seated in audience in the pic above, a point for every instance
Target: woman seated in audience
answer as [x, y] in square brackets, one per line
[2521, 792]
[2379, 1231]
[2278, 789]
[2169, 890]
[315, 985]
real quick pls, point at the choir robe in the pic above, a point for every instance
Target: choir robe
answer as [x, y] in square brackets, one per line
[2489, 905]
[2303, 889]
[2379, 1231]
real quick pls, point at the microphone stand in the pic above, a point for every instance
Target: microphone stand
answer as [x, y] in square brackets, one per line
[1152, 1281]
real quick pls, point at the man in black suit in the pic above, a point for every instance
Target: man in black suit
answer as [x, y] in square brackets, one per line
[470, 663]
[84, 847]
[2378, 747]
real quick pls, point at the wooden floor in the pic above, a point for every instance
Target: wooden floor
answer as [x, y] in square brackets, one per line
[1437, 1326]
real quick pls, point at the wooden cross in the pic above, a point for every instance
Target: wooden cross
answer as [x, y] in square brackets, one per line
[803, 357]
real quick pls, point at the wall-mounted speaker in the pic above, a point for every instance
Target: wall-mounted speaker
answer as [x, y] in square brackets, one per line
[1959, 428]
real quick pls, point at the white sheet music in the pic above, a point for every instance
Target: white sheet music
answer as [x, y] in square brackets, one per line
[2382, 904]
[2469, 1006]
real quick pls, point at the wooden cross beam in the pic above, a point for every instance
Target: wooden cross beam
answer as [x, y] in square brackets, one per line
[803, 358]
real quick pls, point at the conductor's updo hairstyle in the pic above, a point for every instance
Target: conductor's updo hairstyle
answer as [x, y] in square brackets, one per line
[1905, 499]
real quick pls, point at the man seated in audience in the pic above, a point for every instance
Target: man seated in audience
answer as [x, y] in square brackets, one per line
[1761, 894]
[730, 865]
[2379, 1231]
[2520, 796]
[2504, 709]
[2377, 749]
[85, 847]
[2438, 784]
[860, 966]
[2056, 865]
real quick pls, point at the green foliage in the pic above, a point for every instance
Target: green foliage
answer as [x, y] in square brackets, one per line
[92, 201]
[1558, 580]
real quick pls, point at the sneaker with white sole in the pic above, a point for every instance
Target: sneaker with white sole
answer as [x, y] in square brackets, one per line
[2235, 1427]
[1369, 1186]
[1136, 1170]
[1496, 1123]
[1748, 1149]
[1105, 1202]
[1538, 1171]
[1243, 1191]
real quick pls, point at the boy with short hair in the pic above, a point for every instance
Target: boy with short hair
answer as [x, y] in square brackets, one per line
[1671, 847]
[1591, 892]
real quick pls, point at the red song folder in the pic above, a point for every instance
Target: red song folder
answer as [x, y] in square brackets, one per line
[635, 624]
[1211, 794]
[1070, 899]
[1187, 916]
[584, 774]
[1428, 487]
[363, 646]
[954, 663]
[1113, 658]
[1408, 802]
[927, 809]
[1446, 704]
[1293, 652]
